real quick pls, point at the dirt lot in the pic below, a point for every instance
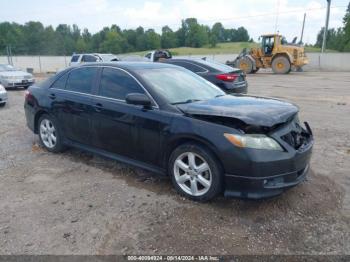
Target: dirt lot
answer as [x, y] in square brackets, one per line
[77, 203]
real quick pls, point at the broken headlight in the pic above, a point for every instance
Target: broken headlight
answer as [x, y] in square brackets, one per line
[256, 141]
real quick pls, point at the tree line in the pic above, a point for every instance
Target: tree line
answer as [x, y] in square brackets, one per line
[33, 38]
[337, 39]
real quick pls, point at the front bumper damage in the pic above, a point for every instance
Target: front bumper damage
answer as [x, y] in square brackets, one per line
[272, 173]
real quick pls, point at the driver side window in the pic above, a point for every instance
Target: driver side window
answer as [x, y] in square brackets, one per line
[117, 84]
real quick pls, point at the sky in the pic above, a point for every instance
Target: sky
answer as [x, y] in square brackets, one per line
[259, 17]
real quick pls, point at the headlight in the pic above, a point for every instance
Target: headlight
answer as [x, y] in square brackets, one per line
[256, 141]
[2, 89]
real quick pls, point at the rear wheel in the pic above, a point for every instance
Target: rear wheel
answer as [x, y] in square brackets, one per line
[195, 172]
[281, 65]
[246, 65]
[49, 134]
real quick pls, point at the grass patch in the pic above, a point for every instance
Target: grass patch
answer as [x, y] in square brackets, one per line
[221, 48]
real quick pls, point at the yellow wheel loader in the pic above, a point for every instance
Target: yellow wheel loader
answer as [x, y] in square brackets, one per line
[274, 53]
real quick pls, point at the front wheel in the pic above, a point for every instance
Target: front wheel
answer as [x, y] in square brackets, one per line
[195, 172]
[245, 64]
[49, 134]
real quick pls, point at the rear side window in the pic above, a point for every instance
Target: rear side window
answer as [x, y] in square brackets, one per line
[81, 80]
[60, 83]
[89, 58]
[190, 66]
[75, 58]
[117, 84]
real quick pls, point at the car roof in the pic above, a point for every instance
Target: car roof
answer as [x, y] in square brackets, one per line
[130, 65]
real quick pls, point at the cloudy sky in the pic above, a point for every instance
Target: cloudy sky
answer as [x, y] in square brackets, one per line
[257, 16]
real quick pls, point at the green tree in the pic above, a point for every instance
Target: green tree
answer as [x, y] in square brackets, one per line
[113, 43]
[218, 32]
[153, 40]
[196, 35]
[168, 38]
[34, 32]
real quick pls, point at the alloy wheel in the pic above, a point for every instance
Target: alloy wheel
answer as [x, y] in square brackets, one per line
[192, 174]
[48, 133]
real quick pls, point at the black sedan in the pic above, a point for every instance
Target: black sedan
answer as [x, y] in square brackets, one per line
[230, 80]
[171, 121]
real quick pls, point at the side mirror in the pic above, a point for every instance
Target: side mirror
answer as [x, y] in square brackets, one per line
[138, 99]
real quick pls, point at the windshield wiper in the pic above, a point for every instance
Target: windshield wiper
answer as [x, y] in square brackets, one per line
[186, 102]
[220, 95]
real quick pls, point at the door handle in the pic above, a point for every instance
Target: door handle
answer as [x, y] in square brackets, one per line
[98, 107]
[52, 96]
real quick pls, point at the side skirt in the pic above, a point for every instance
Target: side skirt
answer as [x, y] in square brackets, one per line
[123, 159]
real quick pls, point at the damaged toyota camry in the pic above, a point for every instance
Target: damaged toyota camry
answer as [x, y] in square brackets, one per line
[170, 121]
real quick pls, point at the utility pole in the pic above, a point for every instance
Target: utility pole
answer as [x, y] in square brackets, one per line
[326, 27]
[302, 30]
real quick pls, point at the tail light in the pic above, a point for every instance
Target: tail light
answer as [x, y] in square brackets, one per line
[28, 97]
[227, 77]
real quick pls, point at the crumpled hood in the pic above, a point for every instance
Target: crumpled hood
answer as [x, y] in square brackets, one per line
[259, 111]
[15, 73]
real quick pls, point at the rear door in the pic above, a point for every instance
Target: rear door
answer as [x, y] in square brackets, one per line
[72, 103]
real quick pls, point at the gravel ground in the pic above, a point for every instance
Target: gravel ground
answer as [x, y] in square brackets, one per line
[78, 203]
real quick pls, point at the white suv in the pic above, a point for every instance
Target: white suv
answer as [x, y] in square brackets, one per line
[95, 57]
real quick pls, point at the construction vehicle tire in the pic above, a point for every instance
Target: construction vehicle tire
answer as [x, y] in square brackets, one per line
[281, 65]
[245, 64]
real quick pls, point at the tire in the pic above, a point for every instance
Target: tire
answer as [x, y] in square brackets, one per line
[188, 179]
[245, 64]
[49, 134]
[2, 104]
[256, 70]
[281, 65]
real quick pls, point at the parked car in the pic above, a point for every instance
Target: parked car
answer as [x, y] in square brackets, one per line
[89, 58]
[3, 95]
[230, 80]
[171, 121]
[158, 55]
[12, 77]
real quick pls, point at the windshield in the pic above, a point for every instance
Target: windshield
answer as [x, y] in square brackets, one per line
[218, 66]
[179, 86]
[4, 68]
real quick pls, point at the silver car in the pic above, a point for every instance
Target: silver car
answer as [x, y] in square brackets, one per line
[3, 96]
[89, 58]
[12, 77]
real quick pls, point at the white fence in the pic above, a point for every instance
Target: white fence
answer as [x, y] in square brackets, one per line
[43, 64]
